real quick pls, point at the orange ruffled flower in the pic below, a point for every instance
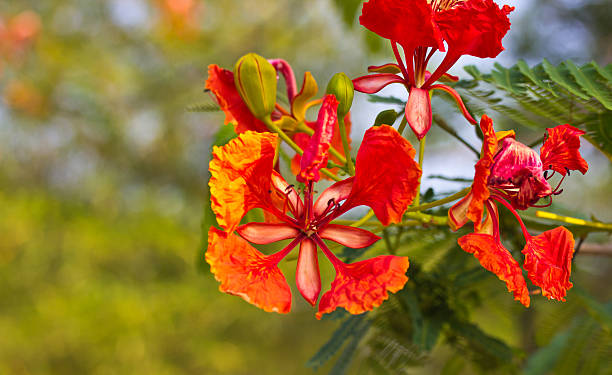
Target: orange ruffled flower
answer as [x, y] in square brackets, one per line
[243, 178]
[511, 174]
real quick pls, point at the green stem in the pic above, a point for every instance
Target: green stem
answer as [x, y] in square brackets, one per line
[439, 202]
[363, 219]
[345, 145]
[402, 125]
[387, 239]
[427, 219]
[417, 199]
[447, 128]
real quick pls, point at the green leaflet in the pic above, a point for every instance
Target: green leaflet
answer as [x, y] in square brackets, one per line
[546, 95]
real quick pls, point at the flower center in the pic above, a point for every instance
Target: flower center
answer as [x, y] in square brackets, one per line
[440, 5]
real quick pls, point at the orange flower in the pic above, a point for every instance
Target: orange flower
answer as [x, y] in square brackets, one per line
[243, 178]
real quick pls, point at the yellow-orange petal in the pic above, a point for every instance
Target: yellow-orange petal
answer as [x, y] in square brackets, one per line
[241, 177]
[220, 82]
[480, 191]
[364, 285]
[497, 259]
[243, 271]
[548, 261]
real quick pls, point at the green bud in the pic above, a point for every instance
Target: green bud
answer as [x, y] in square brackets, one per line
[342, 88]
[387, 117]
[255, 80]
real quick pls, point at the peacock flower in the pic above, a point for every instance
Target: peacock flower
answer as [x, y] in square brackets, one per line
[513, 175]
[243, 178]
[469, 27]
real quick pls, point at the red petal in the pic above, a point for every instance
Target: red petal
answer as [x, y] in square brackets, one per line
[302, 140]
[221, 83]
[561, 150]
[240, 177]
[457, 214]
[418, 111]
[264, 233]
[245, 272]
[480, 190]
[352, 237]
[386, 175]
[373, 83]
[516, 166]
[307, 277]
[333, 194]
[286, 197]
[316, 153]
[474, 27]
[364, 285]
[408, 22]
[497, 259]
[548, 261]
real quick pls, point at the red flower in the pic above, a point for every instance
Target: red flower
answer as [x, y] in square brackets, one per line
[512, 174]
[469, 27]
[243, 178]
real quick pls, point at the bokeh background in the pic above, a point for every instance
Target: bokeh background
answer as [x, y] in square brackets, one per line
[103, 173]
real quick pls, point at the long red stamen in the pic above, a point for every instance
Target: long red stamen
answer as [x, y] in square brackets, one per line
[407, 76]
[491, 211]
[516, 215]
[337, 263]
[279, 255]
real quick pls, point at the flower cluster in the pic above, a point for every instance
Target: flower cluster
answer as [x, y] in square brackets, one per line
[245, 173]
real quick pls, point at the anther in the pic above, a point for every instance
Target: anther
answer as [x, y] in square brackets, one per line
[567, 170]
[558, 192]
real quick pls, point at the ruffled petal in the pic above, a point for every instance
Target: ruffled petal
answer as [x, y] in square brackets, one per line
[386, 175]
[497, 259]
[240, 177]
[355, 238]
[480, 190]
[316, 153]
[220, 82]
[245, 272]
[548, 261]
[362, 286]
[373, 83]
[560, 151]
[409, 23]
[474, 27]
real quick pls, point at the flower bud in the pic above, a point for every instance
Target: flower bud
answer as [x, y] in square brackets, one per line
[255, 80]
[342, 88]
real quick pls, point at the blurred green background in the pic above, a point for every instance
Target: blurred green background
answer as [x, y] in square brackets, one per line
[103, 174]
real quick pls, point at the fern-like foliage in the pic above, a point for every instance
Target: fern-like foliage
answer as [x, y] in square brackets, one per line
[545, 96]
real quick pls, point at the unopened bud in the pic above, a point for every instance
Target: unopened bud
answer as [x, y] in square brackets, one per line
[342, 88]
[255, 80]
